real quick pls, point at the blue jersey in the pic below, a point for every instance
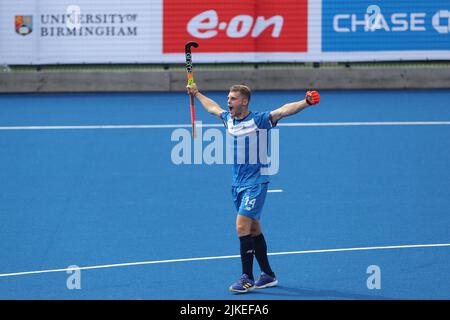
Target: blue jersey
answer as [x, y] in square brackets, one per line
[249, 147]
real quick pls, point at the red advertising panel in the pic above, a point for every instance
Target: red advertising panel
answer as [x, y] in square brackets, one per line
[236, 26]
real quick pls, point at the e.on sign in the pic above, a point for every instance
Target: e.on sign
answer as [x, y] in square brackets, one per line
[236, 26]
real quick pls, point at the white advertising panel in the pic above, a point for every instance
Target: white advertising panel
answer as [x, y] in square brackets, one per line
[155, 31]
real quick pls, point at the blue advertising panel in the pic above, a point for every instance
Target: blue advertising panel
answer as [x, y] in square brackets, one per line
[401, 25]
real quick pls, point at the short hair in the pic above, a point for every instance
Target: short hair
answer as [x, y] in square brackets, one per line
[243, 90]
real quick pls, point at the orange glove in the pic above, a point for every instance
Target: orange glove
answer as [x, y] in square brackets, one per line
[312, 97]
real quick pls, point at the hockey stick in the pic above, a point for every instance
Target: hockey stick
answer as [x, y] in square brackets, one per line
[190, 79]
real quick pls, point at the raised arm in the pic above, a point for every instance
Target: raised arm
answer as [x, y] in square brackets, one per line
[210, 105]
[311, 98]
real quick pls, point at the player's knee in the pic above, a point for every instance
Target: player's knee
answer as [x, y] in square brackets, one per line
[243, 225]
[242, 230]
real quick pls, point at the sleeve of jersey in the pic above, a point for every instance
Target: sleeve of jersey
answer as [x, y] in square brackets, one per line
[224, 117]
[263, 121]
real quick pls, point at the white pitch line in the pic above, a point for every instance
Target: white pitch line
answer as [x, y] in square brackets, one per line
[97, 127]
[365, 248]
[174, 126]
[224, 257]
[275, 190]
[345, 124]
[112, 126]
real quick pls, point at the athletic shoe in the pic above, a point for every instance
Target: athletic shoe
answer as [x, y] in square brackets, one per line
[243, 285]
[265, 281]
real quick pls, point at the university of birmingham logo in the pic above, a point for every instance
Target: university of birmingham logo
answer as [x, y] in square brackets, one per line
[24, 25]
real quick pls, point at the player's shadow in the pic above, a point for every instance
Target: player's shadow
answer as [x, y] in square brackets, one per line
[311, 293]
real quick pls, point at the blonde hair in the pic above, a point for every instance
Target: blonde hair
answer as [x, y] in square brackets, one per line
[243, 90]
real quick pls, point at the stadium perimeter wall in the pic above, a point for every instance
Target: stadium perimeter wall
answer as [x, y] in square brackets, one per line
[349, 77]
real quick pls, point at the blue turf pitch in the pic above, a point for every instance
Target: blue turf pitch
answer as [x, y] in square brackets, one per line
[95, 197]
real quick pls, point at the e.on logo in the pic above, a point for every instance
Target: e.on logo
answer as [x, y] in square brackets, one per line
[236, 26]
[206, 25]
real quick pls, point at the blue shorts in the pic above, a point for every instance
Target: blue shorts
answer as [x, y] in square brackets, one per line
[249, 200]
